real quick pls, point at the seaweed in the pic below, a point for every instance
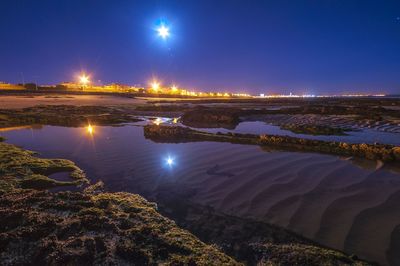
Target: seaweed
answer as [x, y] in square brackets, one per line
[177, 134]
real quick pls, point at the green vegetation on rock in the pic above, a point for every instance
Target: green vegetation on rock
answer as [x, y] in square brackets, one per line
[66, 115]
[20, 168]
[211, 118]
[301, 254]
[176, 134]
[38, 227]
[75, 228]
[92, 227]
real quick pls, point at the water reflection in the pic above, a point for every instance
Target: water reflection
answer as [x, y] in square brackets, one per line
[339, 202]
[90, 129]
[170, 161]
[5, 129]
[157, 121]
[362, 136]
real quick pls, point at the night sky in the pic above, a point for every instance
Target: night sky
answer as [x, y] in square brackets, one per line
[316, 47]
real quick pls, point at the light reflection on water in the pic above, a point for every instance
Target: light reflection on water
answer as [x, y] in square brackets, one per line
[335, 201]
[258, 127]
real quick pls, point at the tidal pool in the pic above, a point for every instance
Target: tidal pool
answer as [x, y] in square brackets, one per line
[362, 136]
[351, 205]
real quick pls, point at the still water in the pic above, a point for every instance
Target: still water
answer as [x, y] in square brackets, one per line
[363, 136]
[341, 203]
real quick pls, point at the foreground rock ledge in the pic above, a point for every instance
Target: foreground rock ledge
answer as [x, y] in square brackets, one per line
[91, 227]
[41, 228]
[178, 134]
[38, 227]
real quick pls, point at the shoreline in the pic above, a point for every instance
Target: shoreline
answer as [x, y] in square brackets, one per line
[94, 211]
[177, 134]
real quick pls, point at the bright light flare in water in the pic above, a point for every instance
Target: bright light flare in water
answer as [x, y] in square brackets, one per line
[158, 121]
[90, 129]
[163, 31]
[170, 161]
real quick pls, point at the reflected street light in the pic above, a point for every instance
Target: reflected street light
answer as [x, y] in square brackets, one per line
[90, 129]
[170, 161]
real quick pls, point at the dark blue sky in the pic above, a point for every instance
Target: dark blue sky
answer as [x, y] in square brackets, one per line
[333, 46]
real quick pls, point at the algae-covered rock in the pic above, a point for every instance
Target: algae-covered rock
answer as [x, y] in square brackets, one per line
[178, 134]
[92, 227]
[211, 118]
[396, 152]
[38, 227]
[75, 228]
[300, 254]
[21, 168]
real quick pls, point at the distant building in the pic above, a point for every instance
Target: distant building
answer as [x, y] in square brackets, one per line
[120, 88]
[72, 85]
[9, 86]
[113, 87]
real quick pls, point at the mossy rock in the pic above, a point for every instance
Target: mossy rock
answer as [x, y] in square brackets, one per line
[97, 234]
[36, 181]
[300, 254]
[20, 168]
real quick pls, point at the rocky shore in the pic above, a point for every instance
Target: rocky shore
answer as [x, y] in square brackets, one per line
[66, 115]
[176, 134]
[90, 226]
[87, 227]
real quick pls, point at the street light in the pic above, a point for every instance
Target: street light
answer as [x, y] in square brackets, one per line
[84, 79]
[155, 86]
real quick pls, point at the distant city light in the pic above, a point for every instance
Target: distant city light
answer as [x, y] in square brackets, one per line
[155, 85]
[163, 31]
[84, 79]
[174, 88]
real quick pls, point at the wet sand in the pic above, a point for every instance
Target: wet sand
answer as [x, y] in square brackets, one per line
[321, 197]
[340, 203]
[23, 101]
[341, 121]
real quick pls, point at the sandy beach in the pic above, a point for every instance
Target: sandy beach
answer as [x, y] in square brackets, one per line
[324, 198]
[338, 202]
[23, 101]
